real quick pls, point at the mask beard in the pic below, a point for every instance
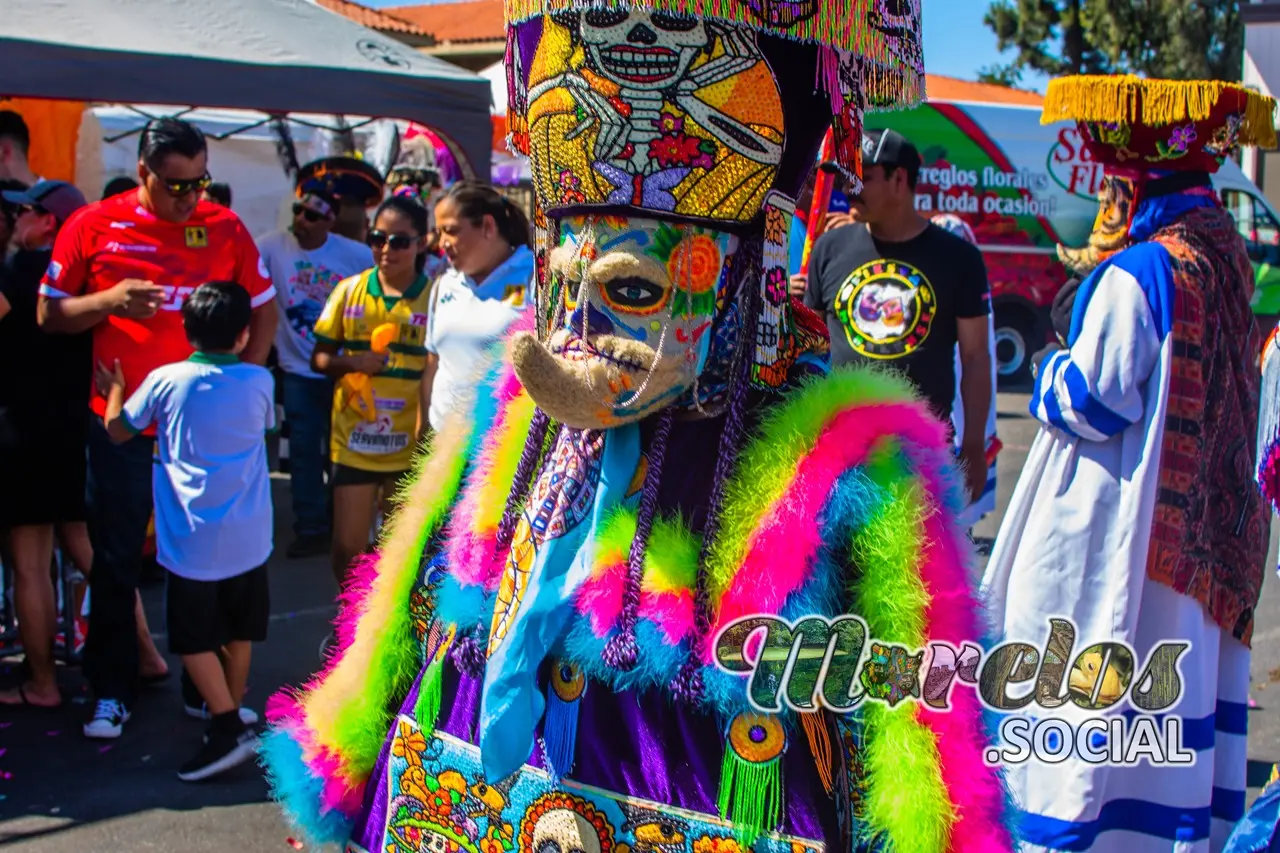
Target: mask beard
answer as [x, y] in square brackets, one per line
[577, 386]
[1117, 200]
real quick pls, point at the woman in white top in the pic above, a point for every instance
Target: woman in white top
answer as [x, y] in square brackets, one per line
[485, 237]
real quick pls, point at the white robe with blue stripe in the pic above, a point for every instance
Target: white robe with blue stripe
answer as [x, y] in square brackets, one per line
[1074, 544]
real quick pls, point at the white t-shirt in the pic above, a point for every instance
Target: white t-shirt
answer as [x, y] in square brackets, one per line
[212, 491]
[303, 280]
[466, 319]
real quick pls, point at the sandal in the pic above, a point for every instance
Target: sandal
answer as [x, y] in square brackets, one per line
[26, 703]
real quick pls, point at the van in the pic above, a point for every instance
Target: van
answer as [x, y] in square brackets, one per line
[1024, 188]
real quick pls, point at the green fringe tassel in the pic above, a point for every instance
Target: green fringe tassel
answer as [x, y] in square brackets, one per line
[750, 795]
[427, 709]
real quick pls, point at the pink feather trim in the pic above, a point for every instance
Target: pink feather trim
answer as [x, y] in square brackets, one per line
[472, 553]
[285, 706]
[1269, 474]
[950, 616]
[600, 599]
[361, 574]
[781, 550]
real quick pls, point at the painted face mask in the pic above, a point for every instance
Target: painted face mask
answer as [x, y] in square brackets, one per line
[1116, 200]
[640, 300]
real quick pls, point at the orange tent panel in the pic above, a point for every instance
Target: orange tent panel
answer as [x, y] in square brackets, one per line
[55, 129]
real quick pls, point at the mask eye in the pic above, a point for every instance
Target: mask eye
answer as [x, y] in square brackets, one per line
[634, 295]
[601, 18]
[673, 23]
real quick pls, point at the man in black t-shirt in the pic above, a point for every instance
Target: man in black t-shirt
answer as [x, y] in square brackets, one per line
[899, 291]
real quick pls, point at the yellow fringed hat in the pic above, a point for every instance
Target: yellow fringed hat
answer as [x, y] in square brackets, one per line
[1184, 125]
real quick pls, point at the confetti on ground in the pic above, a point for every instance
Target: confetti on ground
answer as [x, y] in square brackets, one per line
[146, 758]
[5, 774]
[5, 725]
[80, 700]
[53, 733]
[294, 843]
[103, 749]
[3, 750]
[55, 810]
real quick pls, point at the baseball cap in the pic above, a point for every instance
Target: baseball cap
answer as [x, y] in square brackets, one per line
[889, 148]
[322, 203]
[57, 197]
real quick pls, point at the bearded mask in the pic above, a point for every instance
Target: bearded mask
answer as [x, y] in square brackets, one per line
[1110, 234]
[640, 299]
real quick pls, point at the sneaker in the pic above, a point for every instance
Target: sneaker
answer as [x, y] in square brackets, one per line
[309, 545]
[201, 712]
[220, 752]
[109, 717]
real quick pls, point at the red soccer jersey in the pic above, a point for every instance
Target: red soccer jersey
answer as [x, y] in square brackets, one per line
[104, 243]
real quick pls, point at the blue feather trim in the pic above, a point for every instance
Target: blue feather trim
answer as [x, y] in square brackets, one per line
[298, 791]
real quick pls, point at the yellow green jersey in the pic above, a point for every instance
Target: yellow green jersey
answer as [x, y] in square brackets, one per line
[355, 308]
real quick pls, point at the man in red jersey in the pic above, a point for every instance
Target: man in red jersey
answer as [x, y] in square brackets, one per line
[123, 267]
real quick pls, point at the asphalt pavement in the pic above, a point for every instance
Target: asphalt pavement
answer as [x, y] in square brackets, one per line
[60, 792]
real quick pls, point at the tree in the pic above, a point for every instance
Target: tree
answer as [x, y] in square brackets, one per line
[1050, 36]
[1171, 39]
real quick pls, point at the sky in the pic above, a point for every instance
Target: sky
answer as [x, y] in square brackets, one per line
[956, 42]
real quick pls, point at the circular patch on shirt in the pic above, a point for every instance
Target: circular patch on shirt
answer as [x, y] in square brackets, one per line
[887, 308]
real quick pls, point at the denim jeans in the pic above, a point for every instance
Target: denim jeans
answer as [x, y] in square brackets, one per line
[307, 406]
[119, 501]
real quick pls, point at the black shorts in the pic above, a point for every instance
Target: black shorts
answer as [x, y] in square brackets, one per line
[345, 475]
[44, 467]
[203, 616]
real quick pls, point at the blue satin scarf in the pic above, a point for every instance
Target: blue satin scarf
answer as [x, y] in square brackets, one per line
[587, 476]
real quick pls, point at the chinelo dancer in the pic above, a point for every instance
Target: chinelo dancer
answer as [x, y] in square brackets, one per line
[530, 661]
[1136, 515]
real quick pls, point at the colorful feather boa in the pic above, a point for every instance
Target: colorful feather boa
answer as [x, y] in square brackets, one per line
[848, 470]
[324, 739]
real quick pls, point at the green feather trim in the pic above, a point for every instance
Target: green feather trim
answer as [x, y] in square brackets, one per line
[906, 797]
[351, 709]
[767, 465]
[670, 558]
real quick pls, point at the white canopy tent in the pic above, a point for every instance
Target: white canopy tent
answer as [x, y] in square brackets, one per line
[270, 55]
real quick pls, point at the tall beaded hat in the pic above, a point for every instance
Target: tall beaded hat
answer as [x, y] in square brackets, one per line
[696, 109]
[699, 113]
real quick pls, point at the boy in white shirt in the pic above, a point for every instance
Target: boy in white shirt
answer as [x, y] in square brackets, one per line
[212, 506]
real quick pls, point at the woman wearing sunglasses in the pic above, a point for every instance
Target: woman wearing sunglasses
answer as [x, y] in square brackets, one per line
[485, 238]
[370, 337]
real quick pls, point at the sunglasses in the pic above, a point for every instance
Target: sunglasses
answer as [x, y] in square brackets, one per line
[398, 242]
[185, 187]
[307, 213]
